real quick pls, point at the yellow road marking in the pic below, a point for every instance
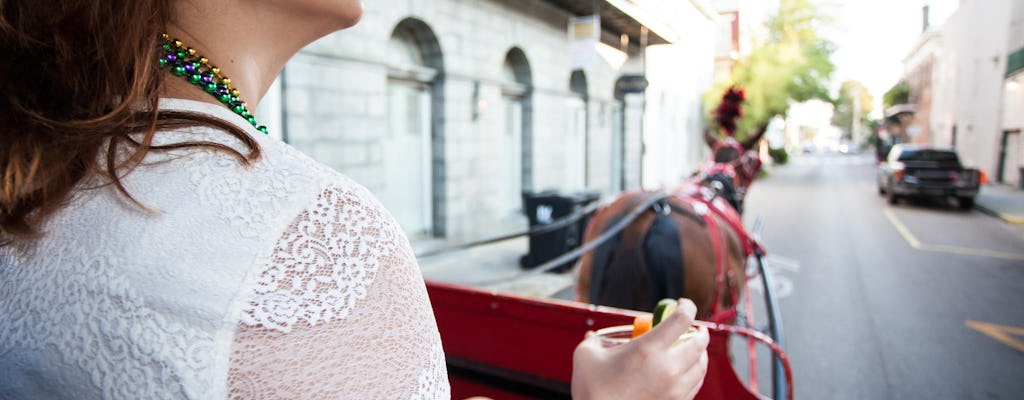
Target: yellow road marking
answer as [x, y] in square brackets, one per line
[1000, 333]
[902, 229]
[942, 248]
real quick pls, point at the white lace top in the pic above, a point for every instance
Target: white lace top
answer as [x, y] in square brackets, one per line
[282, 280]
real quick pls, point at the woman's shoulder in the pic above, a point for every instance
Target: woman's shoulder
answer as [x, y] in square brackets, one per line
[279, 172]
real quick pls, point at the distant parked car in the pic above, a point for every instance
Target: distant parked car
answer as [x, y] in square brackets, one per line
[849, 148]
[917, 170]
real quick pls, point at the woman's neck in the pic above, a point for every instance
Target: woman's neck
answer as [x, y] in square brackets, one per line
[249, 40]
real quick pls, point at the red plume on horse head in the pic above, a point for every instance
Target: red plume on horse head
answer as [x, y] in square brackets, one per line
[730, 109]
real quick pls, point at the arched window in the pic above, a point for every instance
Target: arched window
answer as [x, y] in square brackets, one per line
[576, 133]
[517, 158]
[411, 185]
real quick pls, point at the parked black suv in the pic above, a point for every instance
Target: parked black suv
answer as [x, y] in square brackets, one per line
[917, 170]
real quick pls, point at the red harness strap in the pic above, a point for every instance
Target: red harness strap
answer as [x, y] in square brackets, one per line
[704, 209]
[723, 210]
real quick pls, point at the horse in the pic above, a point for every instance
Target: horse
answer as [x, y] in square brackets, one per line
[689, 243]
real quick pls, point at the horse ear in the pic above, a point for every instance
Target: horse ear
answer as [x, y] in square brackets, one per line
[709, 138]
[751, 141]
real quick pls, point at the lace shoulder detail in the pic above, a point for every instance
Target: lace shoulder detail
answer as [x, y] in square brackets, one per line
[339, 310]
[324, 262]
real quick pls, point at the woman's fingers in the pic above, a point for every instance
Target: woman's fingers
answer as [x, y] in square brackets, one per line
[668, 331]
[589, 344]
[694, 377]
[690, 348]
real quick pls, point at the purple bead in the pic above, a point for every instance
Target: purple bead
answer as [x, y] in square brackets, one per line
[190, 68]
[171, 57]
[207, 78]
[222, 89]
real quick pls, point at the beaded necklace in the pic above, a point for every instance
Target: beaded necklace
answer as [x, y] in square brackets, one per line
[183, 61]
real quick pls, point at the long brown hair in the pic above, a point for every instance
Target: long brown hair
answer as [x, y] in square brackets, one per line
[78, 78]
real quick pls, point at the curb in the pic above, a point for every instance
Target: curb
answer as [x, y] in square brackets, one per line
[1013, 219]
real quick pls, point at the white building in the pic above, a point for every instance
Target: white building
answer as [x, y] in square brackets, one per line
[448, 109]
[809, 125]
[968, 81]
[1011, 150]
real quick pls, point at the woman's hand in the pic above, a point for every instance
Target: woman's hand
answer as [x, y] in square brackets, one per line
[648, 367]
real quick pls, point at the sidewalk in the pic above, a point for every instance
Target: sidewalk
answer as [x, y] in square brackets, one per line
[492, 267]
[1001, 201]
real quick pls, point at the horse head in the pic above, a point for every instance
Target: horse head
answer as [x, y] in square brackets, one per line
[733, 166]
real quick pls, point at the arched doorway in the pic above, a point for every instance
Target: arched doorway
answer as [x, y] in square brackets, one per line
[413, 184]
[575, 150]
[516, 140]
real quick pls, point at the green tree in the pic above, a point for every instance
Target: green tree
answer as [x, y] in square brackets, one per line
[853, 98]
[793, 64]
[897, 94]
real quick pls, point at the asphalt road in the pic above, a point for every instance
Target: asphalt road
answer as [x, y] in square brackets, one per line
[890, 302]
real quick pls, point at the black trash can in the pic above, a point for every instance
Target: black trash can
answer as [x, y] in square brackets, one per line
[546, 207]
[1020, 176]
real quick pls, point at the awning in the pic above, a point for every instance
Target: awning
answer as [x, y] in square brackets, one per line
[899, 109]
[622, 17]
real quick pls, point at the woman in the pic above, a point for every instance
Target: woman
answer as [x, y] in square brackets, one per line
[156, 244]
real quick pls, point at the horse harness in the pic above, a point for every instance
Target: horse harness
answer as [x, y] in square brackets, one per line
[663, 250]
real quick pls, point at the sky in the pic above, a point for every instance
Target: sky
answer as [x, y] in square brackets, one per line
[873, 37]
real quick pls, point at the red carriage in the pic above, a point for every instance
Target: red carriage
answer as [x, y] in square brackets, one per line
[505, 346]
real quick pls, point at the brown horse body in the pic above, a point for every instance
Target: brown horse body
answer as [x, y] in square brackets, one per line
[681, 247]
[631, 280]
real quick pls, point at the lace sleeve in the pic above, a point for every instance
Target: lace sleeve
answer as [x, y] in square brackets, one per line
[339, 311]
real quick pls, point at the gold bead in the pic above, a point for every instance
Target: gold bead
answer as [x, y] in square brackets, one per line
[226, 81]
[244, 104]
[191, 51]
[234, 92]
[165, 36]
[203, 60]
[216, 71]
[177, 43]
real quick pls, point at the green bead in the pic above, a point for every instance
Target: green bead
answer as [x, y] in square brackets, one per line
[221, 91]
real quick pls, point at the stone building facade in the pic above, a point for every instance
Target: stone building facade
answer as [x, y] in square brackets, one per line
[448, 109]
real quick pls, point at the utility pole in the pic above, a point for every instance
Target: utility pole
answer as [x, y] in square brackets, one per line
[855, 130]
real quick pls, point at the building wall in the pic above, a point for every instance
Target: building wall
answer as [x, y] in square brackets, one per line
[734, 43]
[919, 75]
[674, 122]
[335, 106]
[968, 85]
[1013, 99]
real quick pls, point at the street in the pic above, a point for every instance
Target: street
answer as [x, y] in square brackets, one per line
[889, 302]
